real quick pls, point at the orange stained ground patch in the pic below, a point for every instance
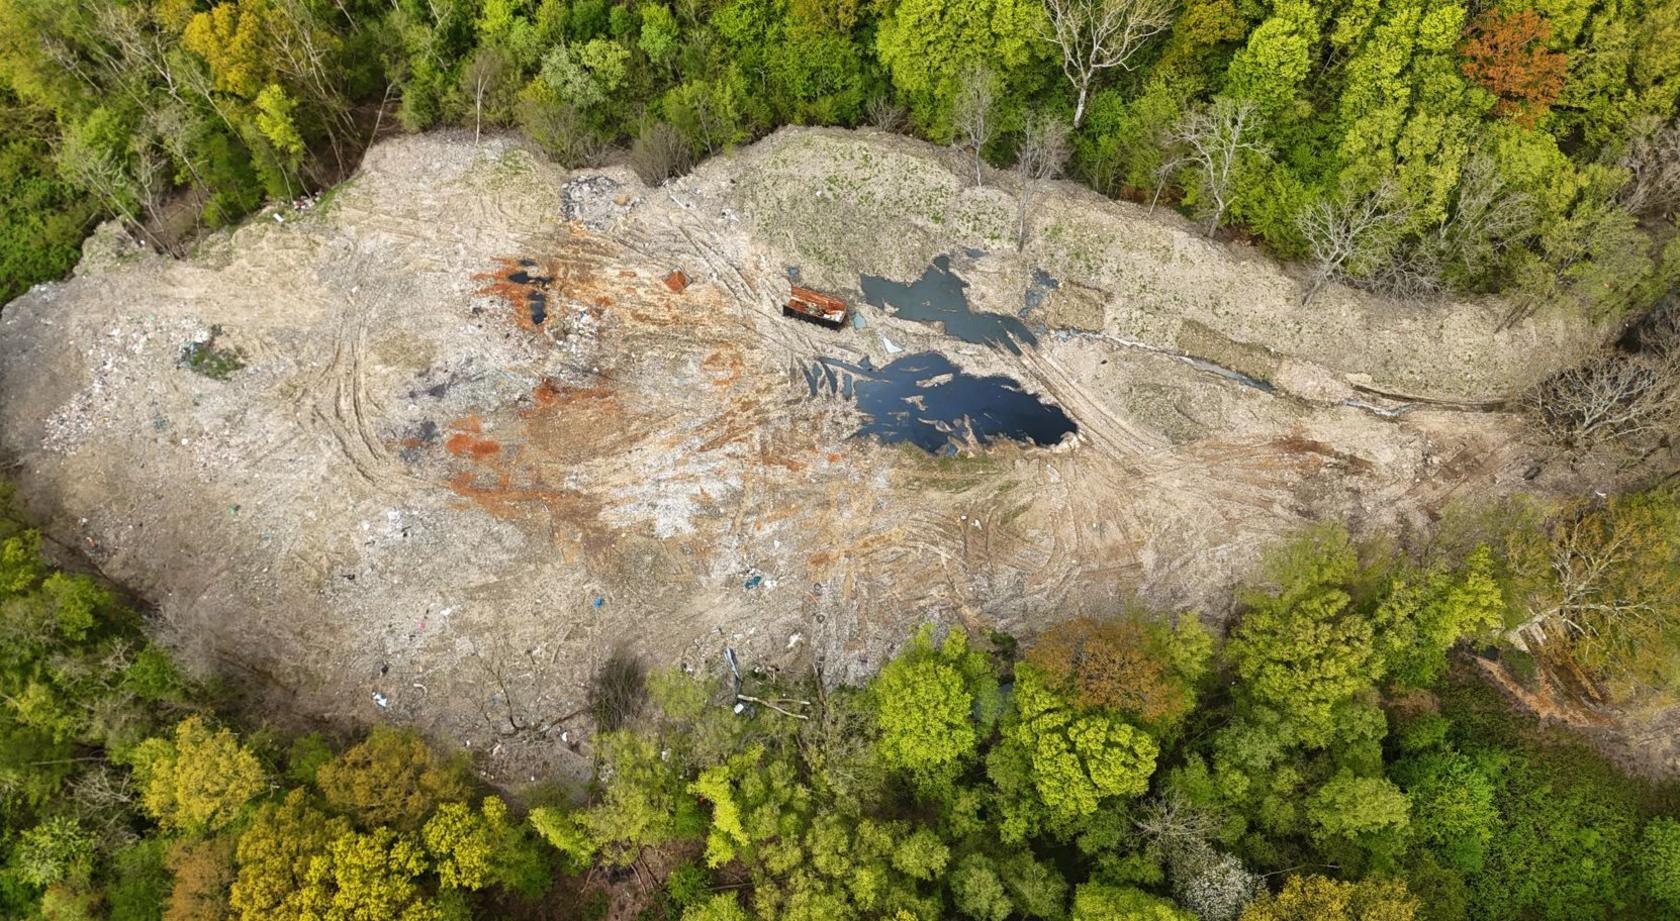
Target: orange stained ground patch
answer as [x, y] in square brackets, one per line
[512, 482]
[465, 444]
[549, 395]
[503, 498]
[506, 476]
[724, 365]
[519, 295]
[770, 459]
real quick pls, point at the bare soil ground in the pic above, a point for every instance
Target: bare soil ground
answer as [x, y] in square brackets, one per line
[414, 503]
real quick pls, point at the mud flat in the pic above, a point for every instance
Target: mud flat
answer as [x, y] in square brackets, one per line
[461, 437]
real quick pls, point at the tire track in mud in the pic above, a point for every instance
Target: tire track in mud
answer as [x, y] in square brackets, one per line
[1069, 551]
[1254, 488]
[1110, 431]
[748, 296]
[341, 405]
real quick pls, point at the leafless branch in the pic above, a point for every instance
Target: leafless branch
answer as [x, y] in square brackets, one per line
[1096, 35]
[1622, 398]
[487, 68]
[1653, 162]
[973, 115]
[1043, 155]
[884, 113]
[1344, 231]
[1214, 140]
[1488, 217]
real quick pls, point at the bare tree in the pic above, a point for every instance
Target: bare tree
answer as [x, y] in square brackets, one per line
[1096, 35]
[1488, 217]
[302, 46]
[174, 124]
[1043, 154]
[884, 113]
[130, 190]
[1346, 230]
[141, 52]
[1653, 160]
[1593, 618]
[561, 130]
[1619, 398]
[1214, 886]
[973, 115]
[658, 153]
[1214, 140]
[1170, 822]
[484, 73]
[196, 79]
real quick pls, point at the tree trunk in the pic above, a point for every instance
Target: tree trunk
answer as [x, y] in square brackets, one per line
[1079, 107]
[478, 109]
[1021, 226]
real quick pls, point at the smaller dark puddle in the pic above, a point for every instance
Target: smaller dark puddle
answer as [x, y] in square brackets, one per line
[926, 400]
[1040, 287]
[535, 301]
[940, 297]
[524, 289]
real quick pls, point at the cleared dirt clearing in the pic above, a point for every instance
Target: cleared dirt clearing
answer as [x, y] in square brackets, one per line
[416, 490]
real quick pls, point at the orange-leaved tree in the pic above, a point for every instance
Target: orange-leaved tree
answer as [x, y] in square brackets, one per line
[1506, 54]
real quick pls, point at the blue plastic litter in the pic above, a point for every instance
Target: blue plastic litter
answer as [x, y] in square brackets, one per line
[600, 601]
[755, 581]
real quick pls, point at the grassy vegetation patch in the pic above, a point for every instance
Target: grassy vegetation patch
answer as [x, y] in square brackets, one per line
[210, 358]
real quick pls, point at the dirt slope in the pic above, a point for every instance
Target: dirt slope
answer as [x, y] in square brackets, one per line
[414, 501]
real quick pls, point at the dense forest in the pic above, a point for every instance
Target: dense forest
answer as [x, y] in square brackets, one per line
[1332, 757]
[1415, 147]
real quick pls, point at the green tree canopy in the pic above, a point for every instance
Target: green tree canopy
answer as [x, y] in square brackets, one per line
[198, 781]
[931, 705]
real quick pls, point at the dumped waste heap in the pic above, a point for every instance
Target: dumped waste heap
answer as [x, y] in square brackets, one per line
[458, 431]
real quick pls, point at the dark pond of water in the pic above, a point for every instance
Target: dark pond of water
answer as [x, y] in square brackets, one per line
[926, 400]
[940, 297]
